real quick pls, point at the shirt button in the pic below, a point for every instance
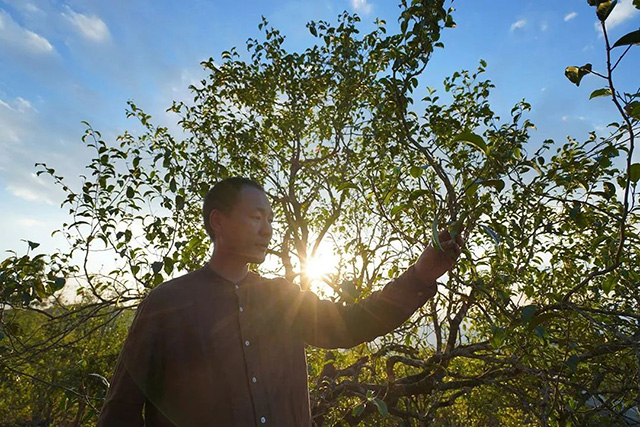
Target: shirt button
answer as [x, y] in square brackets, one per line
[247, 343]
[241, 309]
[254, 379]
[263, 420]
[237, 287]
[420, 294]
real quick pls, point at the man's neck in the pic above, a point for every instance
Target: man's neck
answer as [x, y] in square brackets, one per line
[228, 268]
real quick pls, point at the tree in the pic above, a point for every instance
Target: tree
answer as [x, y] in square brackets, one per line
[538, 323]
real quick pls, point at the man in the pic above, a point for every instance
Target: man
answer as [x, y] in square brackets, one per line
[222, 346]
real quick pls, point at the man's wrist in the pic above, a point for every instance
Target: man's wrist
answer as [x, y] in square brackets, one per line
[422, 276]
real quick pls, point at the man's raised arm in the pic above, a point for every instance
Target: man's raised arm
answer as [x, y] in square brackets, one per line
[326, 324]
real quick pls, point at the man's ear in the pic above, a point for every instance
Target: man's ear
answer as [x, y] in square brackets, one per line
[216, 219]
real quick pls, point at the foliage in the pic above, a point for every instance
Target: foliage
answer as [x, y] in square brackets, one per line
[55, 375]
[537, 324]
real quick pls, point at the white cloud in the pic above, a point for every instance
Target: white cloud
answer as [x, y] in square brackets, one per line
[623, 11]
[570, 16]
[19, 105]
[361, 6]
[24, 105]
[15, 36]
[90, 27]
[518, 24]
[25, 7]
[33, 189]
[28, 222]
[544, 26]
[20, 124]
[32, 8]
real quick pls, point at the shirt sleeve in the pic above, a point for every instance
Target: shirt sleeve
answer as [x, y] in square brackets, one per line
[327, 324]
[131, 381]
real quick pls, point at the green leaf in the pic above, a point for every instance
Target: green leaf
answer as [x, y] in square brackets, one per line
[596, 242]
[449, 23]
[434, 235]
[156, 266]
[517, 153]
[631, 38]
[473, 140]
[1, 335]
[130, 192]
[58, 283]
[636, 3]
[572, 362]
[179, 202]
[415, 194]
[609, 190]
[539, 319]
[415, 171]
[38, 286]
[396, 209]
[609, 283]
[381, 405]
[527, 313]
[575, 74]
[498, 338]
[491, 233]
[358, 410]
[498, 184]
[600, 92]
[346, 185]
[471, 189]
[32, 245]
[633, 109]
[456, 228]
[604, 9]
[634, 172]
[572, 74]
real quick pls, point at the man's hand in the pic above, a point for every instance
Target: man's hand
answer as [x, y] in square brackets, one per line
[433, 262]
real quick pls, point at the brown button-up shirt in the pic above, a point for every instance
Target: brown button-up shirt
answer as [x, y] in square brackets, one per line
[203, 351]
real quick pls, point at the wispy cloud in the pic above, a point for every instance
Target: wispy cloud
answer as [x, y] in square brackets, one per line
[29, 222]
[34, 189]
[25, 7]
[570, 16]
[19, 105]
[544, 26]
[624, 11]
[518, 24]
[20, 124]
[17, 37]
[91, 28]
[361, 6]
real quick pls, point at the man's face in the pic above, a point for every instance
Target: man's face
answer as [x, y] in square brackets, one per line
[244, 233]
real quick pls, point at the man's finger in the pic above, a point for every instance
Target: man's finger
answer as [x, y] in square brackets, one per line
[452, 248]
[450, 243]
[444, 235]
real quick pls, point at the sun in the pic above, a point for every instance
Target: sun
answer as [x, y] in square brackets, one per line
[322, 263]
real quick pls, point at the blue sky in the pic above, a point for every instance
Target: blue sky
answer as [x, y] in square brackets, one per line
[62, 62]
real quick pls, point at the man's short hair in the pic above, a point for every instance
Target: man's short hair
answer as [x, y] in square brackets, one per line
[223, 196]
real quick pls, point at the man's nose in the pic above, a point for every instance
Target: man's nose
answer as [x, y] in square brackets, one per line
[266, 229]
